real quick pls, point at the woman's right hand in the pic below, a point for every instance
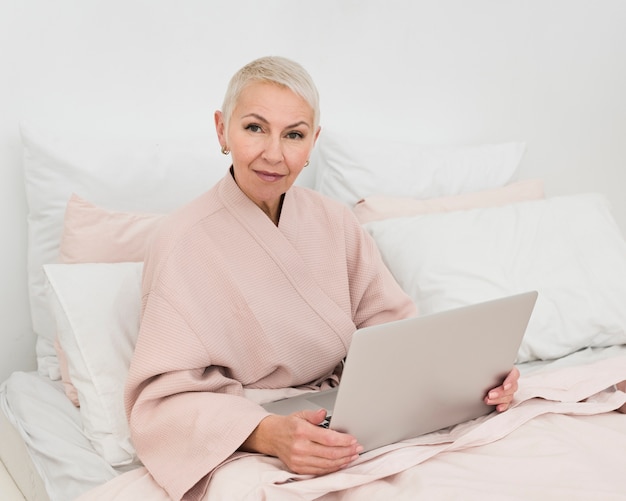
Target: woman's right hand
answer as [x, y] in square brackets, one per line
[305, 447]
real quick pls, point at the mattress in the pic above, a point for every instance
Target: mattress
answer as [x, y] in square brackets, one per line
[46, 452]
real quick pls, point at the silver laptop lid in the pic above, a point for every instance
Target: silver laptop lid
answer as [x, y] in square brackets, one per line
[406, 378]
[410, 377]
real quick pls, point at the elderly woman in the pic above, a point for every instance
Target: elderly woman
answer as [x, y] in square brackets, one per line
[256, 284]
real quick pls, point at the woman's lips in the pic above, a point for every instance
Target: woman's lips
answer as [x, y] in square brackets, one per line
[270, 177]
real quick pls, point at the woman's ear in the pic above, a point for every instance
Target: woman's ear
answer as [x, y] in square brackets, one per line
[317, 134]
[220, 127]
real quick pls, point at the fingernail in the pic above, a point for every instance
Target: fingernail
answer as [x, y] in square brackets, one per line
[508, 386]
[493, 394]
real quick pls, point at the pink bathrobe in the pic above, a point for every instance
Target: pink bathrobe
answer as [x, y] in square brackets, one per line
[232, 302]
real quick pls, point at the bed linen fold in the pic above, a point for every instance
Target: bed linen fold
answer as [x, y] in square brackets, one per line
[585, 390]
[51, 429]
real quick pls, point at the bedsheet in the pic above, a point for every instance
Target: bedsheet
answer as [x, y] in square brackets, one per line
[560, 454]
[559, 441]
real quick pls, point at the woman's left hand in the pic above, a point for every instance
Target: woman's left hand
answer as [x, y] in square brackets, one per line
[502, 396]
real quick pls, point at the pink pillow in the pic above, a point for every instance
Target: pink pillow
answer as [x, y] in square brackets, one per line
[376, 208]
[95, 235]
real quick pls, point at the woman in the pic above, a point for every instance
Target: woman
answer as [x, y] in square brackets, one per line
[255, 285]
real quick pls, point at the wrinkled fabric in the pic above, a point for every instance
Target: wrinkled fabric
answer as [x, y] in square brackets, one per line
[560, 440]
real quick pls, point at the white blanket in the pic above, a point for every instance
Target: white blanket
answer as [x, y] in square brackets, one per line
[559, 441]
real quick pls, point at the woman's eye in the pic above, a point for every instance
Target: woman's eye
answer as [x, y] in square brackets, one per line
[295, 135]
[253, 128]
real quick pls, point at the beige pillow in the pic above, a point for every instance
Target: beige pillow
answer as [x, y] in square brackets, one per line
[92, 234]
[376, 208]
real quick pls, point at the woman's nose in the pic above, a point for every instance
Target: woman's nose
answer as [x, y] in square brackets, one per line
[273, 151]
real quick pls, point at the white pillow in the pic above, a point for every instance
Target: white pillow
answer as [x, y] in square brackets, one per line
[124, 173]
[568, 248]
[350, 168]
[97, 310]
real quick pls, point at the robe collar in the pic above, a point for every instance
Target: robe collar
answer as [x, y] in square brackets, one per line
[288, 219]
[282, 243]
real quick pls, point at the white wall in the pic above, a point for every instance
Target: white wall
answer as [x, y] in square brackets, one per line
[550, 72]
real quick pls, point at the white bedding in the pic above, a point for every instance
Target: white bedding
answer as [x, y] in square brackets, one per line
[544, 454]
[50, 427]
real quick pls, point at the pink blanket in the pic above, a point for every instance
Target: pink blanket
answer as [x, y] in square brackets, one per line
[559, 441]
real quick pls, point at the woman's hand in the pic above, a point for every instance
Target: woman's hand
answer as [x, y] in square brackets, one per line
[304, 446]
[502, 396]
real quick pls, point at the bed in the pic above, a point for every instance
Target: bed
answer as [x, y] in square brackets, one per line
[455, 225]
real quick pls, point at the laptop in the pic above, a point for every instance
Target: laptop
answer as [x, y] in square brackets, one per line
[409, 377]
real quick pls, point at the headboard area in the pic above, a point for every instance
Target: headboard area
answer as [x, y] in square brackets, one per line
[114, 102]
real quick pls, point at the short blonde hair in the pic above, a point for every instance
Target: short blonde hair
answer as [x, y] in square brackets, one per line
[272, 69]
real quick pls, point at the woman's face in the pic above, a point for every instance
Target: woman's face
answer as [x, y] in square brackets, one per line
[270, 135]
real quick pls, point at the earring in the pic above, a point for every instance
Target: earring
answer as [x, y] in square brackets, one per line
[225, 150]
[306, 164]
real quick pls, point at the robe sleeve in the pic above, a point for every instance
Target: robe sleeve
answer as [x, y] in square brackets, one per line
[195, 417]
[376, 296]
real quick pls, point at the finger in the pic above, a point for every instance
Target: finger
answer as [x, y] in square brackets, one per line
[324, 436]
[508, 387]
[318, 459]
[500, 404]
[317, 450]
[511, 381]
[502, 392]
[500, 399]
[312, 467]
[314, 417]
[333, 455]
[308, 457]
[499, 396]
